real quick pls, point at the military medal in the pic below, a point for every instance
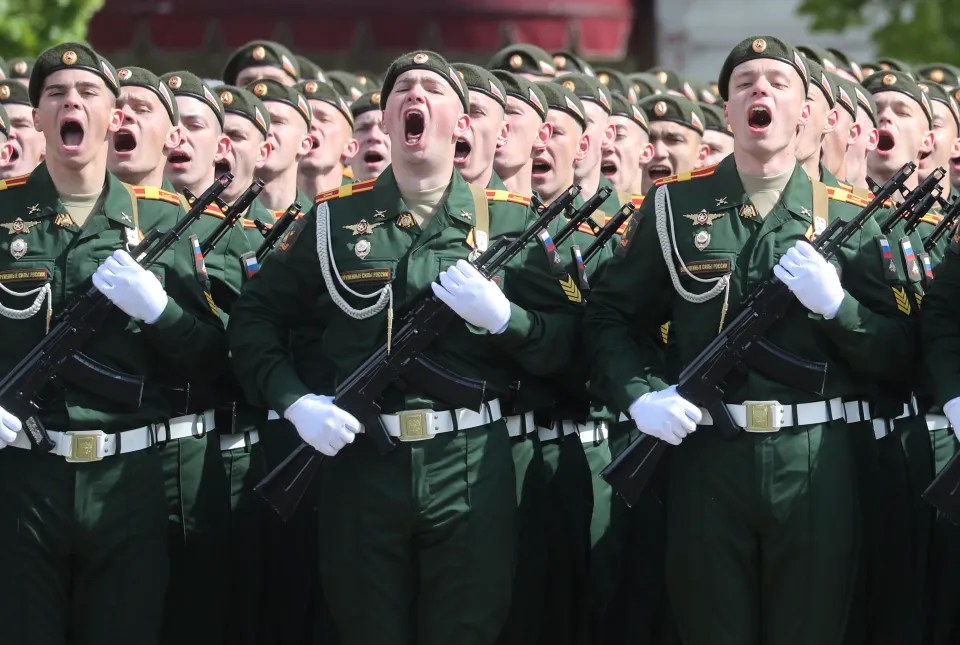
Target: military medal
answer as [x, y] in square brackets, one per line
[18, 248]
[701, 240]
[406, 221]
[748, 211]
[703, 218]
[362, 248]
[19, 226]
[363, 227]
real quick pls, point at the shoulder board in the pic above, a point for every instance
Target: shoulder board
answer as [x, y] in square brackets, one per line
[346, 191]
[216, 212]
[637, 200]
[13, 182]
[507, 196]
[842, 195]
[153, 193]
[932, 218]
[686, 176]
[585, 228]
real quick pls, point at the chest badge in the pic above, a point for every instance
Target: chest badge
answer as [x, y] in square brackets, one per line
[33, 210]
[721, 202]
[703, 218]
[18, 248]
[19, 226]
[363, 227]
[379, 214]
[748, 211]
[701, 240]
[63, 220]
[405, 220]
[465, 215]
[362, 248]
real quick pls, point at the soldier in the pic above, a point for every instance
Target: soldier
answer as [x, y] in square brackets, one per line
[777, 508]
[331, 140]
[488, 128]
[553, 159]
[866, 141]
[84, 529]
[821, 122]
[525, 60]
[526, 113]
[942, 73]
[27, 144]
[373, 145]
[586, 168]
[460, 526]
[945, 127]
[676, 132]
[838, 141]
[629, 150]
[346, 84]
[203, 144]
[618, 83]
[717, 135]
[261, 59]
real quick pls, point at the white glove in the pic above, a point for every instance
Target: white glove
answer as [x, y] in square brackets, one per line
[665, 415]
[131, 287]
[9, 427]
[322, 424]
[812, 279]
[475, 299]
[952, 411]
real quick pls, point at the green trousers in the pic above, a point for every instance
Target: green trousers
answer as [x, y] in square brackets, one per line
[942, 621]
[762, 537]
[525, 620]
[82, 549]
[866, 593]
[198, 533]
[417, 546]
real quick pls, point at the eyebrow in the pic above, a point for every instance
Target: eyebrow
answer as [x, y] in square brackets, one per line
[79, 85]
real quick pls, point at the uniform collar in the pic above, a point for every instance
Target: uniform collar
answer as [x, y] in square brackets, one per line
[115, 200]
[458, 207]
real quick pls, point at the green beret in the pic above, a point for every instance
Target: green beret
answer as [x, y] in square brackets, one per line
[70, 56]
[760, 47]
[844, 92]
[816, 54]
[704, 92]
[20, 68]
[646, 84]
[366, 103]
[259, 53]
[430, 61]
[894, 65]
[524, 90]
[237, 100]
[4, 122]
[320, 91]
[866, 69]
[866, 102]
[184, 83]
[894, 81]
[943, 73]
[844, 62]
[562, 99]
[566, 62]
[13, 93]
[368, 82]
[345, 83]
[523, 59]
[622, 106]
[617, 82]
[713, 118]
[587, 88]
[678, 109]
[140, 77]
[818, 78]
[310, 71]
[268, 90]
[480, 80]
[937, 92]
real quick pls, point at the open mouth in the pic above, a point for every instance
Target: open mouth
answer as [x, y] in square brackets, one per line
[71, 134]
[886, 141]
[608, 168]
[178, 157]
[461, 152]
[659, 171]
[372, 157]
[413, 125]
[124, 141]
[221, 167]
[759, 117]
[14, 154]
[925, 155]
[541, 167]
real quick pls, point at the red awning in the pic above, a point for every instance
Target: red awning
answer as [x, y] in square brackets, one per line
[597, 29]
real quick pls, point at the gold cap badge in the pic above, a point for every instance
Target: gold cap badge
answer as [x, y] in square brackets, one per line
[420, 58]
[124, 74]
[260, 89]
[259, 53]
[516, 61]
[226, 97]
[660, 108]
[69, 57]
[311, 87]
[759, 45]
[174, 82]
[889, 79]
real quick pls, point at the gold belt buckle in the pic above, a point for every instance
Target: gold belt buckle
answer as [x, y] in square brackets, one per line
[414, 425]
[85, 446]
[763, 416]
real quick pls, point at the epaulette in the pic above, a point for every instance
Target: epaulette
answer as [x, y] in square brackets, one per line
[932, 219]
[13, 182]
[153, 193]
[346, 191]
[586, 228]
[637, 200]
[843, 195]
[686, 176]
[216, 212]
[507, 196]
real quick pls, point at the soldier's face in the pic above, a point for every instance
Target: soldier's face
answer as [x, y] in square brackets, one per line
[27, 145]
[248, 151]
[330, 139]
[191, 163]
[624, 155]
[526, 128]
[288, 137]
[598, 132]
[945, 143]
[478, 145]
[837, 140]
[553, 163]
[76, 114]
[811, 133]
[676, 149]
[423, 118]
[904, 134]
[862, 144]
[373, 146]
[146, 135]
[719, 145]
[767, 105]
[263, 72]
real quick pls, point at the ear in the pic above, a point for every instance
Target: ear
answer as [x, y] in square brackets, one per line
[609, 134]
[874, 140]
[702, 153]
[833, 116]
[955, 148]
[263, 154]
[582, 150]
[174, 138]
[224, 146]
[854, 133]
[305, 144]
[504, 136]
[36, 121]
[928, 142]
[350, 151]
[116, 120]
[646, 154]
[544, 133]
[463, 124]
[726, 112]
[804, 113]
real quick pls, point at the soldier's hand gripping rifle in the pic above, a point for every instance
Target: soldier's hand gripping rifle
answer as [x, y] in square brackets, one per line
[359, 393]
[20, 387]
[741, 346]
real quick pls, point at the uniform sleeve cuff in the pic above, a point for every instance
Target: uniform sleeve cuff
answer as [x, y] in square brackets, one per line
[173, 322]
[847, 317]
[516, 332]
[283, 388]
